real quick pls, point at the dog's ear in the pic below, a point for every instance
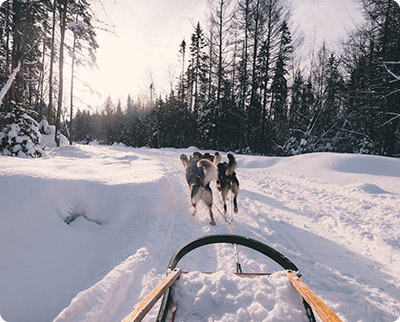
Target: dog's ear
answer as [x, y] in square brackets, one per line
[217, 158]
[208, 156]
[197, 155]
[184, 160]
[231, 165]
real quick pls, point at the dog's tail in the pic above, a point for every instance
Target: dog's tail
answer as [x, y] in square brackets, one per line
[217, 158]
[231, 165]
[210, 171]
[184, 160]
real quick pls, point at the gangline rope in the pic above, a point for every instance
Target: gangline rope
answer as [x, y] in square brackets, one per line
[229, 221]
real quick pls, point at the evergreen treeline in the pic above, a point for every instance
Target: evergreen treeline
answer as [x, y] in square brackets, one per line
[241, 88]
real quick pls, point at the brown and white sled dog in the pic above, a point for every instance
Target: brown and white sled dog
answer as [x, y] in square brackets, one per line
[200, 171]
[227, 181]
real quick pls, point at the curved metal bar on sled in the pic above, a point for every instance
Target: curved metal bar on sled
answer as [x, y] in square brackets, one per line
[227, 239]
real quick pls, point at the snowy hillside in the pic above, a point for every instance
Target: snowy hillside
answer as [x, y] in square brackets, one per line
[336, 216]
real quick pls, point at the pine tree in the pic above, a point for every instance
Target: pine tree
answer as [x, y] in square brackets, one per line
[301, 106]
[295, 115]
[131, 115]
[182, 85]
[22, 34]
[19, 135]
[333, 95]
[374, 96]
[84, 131]
[107, 126]
[197, 70]
[264, 35]
[279, 88]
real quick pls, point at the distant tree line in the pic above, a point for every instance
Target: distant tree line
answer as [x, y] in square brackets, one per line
[243, 88]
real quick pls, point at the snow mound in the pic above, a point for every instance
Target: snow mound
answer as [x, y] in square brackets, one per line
[369, 164]
[256, 162]
[372, 189]
[71, 151]
[47, 139]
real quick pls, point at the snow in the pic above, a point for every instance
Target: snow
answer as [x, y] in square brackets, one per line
[336, 216]
[264, 298]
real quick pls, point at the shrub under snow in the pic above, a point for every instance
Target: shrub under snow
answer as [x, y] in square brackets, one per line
[19, 134]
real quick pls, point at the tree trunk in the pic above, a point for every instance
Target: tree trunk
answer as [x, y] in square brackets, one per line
[41, 80]
[219, 72]
[183, 51]
[255, 53]
[63, 14]
[245, 55]
[266, 79]
[52, 53]
[211, 47]
[72, 89]
[16, 55]
[8, 69]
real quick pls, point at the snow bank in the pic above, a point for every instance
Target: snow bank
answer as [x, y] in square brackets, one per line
[101, 301]
[47, 138]
[47, 256]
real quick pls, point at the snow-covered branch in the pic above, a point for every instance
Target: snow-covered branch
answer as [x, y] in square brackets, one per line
[392, 93]
[389, 71]
[396, 116]
[9, 82]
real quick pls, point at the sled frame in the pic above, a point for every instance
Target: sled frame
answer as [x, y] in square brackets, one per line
[268, 251]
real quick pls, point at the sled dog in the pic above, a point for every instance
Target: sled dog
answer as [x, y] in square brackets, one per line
[200, 170]
[227, 181]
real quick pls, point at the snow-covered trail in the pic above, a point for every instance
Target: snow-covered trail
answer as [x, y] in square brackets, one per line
[337, 223]
[335, 216]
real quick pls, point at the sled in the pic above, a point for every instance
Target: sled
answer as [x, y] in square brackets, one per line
[311, 301]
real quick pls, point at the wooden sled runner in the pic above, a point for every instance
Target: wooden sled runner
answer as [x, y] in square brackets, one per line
[311, 302]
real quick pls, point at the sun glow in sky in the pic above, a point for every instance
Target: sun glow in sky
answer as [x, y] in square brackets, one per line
[145, 44]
